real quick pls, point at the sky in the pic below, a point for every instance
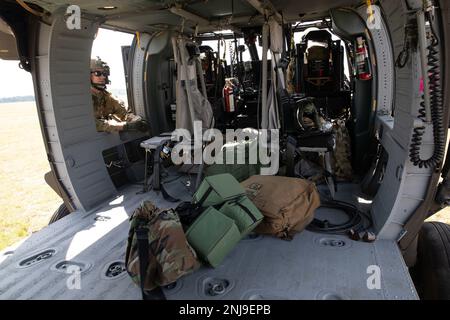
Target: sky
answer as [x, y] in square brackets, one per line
[107, 45]
[13, 80]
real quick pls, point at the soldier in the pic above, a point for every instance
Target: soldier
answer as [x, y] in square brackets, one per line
[110, 114]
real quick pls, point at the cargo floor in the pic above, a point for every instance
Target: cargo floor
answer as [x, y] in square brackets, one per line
[311, 266]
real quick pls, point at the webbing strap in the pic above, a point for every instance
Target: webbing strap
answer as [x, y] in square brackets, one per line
[157, 168]
[247, 211]
[188, 211]
[142, 241]
[290, 156]
[204, 197]
[156, 179]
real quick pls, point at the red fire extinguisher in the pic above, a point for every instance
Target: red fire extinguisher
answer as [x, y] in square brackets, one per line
[363, 66]
[228, 95]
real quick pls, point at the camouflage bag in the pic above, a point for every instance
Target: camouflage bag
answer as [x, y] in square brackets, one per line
[157, 252]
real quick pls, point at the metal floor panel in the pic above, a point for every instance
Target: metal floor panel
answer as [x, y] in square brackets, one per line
[312, 266]
[309, 267]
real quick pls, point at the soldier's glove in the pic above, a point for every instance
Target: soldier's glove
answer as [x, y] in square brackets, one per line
[136, 126]
[130, 126]
[143, 126]
[132, 117]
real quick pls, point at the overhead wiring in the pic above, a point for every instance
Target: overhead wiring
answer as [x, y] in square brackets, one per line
[437, 110]
[29, 9]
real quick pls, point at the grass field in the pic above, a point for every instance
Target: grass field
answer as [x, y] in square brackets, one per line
[26, 202]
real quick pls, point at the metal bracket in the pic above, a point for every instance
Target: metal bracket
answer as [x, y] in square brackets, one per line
[401, 235]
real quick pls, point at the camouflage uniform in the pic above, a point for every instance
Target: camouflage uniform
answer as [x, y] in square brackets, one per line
[342, 153]
[110, 113]
[170, 255]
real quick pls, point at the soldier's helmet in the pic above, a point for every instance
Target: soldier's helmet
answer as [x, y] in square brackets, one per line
[99, 65]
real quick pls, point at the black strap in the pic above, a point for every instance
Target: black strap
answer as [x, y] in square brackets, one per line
[247, 211]
[167, 196]
[328, 174]
[290, 156]
[204, 197]
[142, 241]
[188, 212]
[156, 179]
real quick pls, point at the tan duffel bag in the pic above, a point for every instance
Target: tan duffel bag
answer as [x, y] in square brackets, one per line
[288, 204]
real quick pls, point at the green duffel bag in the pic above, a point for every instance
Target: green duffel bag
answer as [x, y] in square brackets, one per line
[244, 213]
[217, 189]
[213, 235]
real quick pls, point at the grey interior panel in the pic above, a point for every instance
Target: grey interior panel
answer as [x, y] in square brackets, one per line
[346, 23]
[65, 104]
[158, 94]
[143, 15]
[404, 185]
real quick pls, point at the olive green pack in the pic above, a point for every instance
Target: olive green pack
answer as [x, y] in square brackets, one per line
[217, 189]
[229, 216]
[213, 235]
[244, 213]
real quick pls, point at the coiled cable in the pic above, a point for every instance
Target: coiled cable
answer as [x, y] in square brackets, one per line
[355, 219]
[436, 103]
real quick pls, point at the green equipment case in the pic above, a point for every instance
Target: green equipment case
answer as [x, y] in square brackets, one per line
[213, 235]
[244, 213]
[217, 189]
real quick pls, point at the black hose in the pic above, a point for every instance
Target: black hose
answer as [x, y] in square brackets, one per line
[355, 219]
[436, 105]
